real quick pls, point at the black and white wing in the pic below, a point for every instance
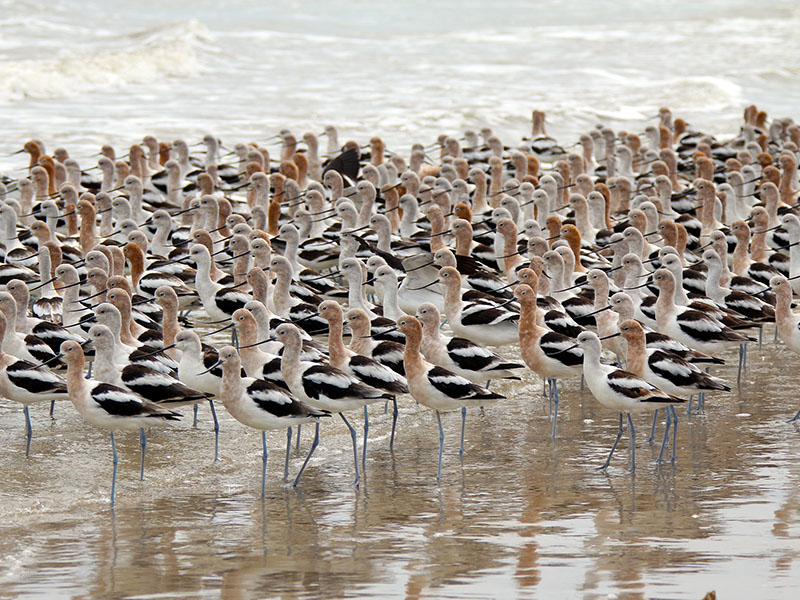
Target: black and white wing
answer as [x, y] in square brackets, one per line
[41, 351]
[152, 357]
[278, 402]
[391, 355]
[633, 387]
[25, 375]
[118, 402]
[681, 373]
[54, 335]
[379, 376]
[457, 387]
[159, 387]
[229, 300]
[323, 381]
[562, 323]
[485, 314]
[560, 347]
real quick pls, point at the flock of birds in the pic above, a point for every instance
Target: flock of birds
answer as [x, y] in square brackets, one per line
[631, 260]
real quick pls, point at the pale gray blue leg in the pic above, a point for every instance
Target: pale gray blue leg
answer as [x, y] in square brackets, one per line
[614, 447]
[28, 429]
[463, 426]
[632, 431]
[653, 429]
[674, 433]
[441, 447]
[666, 436]
[288, 449]
[314, 445]
[264, 463]
[366, 433]
[395, 412]
[355, 448]
[114, 472]
[216, 428]
[143, 444]
[741, 364]
[556, 400]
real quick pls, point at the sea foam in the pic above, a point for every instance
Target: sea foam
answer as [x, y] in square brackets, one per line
[171, 50]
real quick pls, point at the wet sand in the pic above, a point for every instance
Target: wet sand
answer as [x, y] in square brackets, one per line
[519, 517]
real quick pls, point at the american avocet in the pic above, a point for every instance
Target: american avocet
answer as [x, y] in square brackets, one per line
[145, 312]
[27, 347]
[621, 390]
[460, 355]
[12, 271]
[48, 305]
[354, 272]
[289, 307]
[485, 324]
[160, 245]
[387, 352]
[420, 284]
[363, 368]
[363, 341]
[151, 335]
[311, 283]
[24, 382]
[473, 274]
[554, 318]
[126, 348]
[198, 363]
[386, 244]
[219, 302]
[699, 301]
[665, 370]
[787, 322]
[267, 324]
[151, 384]
[50, 333]
[437, 388]
[694, 328]
[622, 304]
[385, 278]
[108, 406]
[466, 245]
[263, 405]
[323, 386]
[561, 286]
[742, 263]
[752, 308]
[147, 282]
[383, 326]
[547, 353]
[606, 321]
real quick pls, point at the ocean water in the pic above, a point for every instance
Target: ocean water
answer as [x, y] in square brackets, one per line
[81, 73]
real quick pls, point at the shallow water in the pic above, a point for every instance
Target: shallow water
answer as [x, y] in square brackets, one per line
[519, 516]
